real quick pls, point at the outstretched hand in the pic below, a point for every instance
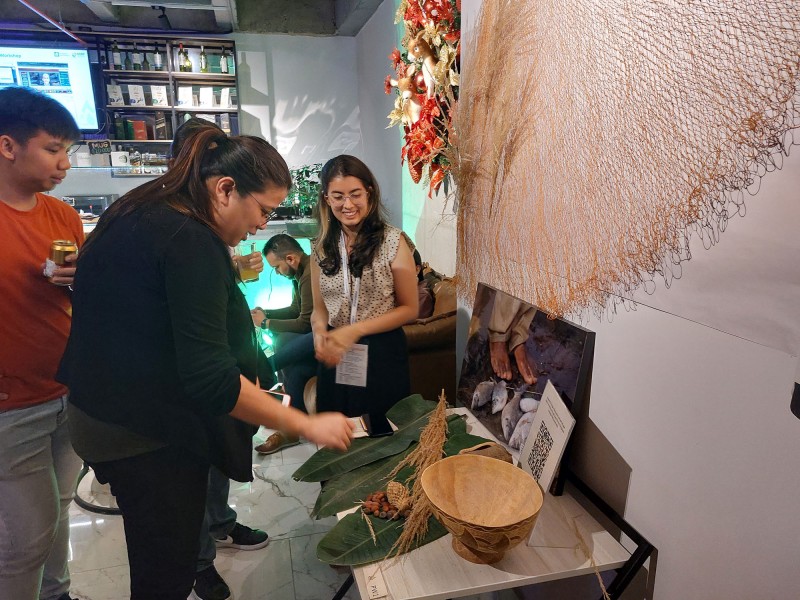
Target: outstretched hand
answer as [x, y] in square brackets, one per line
[329, 429]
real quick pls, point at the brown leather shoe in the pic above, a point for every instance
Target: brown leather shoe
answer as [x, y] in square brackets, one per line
[277, 441]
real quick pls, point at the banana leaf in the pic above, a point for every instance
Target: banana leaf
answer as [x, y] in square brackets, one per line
[350, 542]
[343, 491]
[410, 415]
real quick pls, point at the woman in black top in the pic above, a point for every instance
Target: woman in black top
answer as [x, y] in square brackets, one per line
[162, 360]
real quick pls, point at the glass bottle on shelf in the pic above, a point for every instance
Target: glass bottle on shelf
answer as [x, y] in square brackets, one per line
[187, 62]
[223, 62]
[136, 160]
[128, 64]
[145, 62]
[119, 127]
[181, 65]
[158, 60]
[203, 60]
[116, 57]
[137, 58]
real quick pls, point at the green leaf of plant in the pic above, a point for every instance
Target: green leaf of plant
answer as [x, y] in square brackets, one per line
[350, 542]
[410, 415]
[345, 490]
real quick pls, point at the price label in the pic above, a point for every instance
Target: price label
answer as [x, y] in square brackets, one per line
[99, 147]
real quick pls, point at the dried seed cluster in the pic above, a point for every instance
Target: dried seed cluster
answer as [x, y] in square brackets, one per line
[378, 505]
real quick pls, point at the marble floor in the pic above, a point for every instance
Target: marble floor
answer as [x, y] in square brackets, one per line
[287, 569]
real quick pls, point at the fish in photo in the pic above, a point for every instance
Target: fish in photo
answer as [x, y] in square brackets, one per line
[482, 393]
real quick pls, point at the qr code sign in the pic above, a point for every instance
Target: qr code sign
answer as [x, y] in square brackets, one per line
[541, 450]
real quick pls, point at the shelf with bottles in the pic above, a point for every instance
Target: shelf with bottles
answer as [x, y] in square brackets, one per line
[134, 55]
[204, 59]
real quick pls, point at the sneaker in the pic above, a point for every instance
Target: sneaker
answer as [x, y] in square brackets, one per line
[244, 538]
[208, 585]
[277, 441]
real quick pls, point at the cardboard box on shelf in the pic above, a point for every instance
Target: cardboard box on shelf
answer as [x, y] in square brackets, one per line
[163, 126]
[135, 129]
[159, 95]
[136, 95]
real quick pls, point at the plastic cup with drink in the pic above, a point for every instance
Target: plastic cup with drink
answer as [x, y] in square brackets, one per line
[241, 257]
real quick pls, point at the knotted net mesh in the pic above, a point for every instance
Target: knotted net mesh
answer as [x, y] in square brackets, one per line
[592, 139]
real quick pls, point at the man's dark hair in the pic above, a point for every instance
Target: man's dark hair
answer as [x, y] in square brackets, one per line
[25, 112]
[418, 263]
[281, 245]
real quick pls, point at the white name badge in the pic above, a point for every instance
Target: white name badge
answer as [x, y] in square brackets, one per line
[352, 370]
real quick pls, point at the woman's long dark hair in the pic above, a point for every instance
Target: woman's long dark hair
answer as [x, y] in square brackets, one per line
[252, 163]
[373, 228]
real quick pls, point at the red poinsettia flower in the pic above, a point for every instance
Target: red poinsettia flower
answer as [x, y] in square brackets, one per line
[452, 36]
[396, 58]
[414, 15]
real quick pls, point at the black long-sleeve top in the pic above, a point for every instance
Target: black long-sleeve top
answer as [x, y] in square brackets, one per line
[160, 334]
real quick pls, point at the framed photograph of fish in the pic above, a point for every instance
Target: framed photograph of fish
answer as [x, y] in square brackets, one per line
[513, 350]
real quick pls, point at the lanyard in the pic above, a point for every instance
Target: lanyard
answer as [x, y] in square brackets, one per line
[351, 297]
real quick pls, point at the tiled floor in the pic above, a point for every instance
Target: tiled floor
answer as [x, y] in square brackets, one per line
[287, 569]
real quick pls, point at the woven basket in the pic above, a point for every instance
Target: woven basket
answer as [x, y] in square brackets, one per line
[488, 505]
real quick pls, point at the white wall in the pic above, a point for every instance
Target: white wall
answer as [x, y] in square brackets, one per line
[691, 391]
[380, 147]
[300, 93]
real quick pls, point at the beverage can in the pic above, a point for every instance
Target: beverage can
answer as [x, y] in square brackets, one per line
[60, 249]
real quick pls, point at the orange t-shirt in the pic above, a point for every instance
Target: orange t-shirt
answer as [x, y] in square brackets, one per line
[35, 314]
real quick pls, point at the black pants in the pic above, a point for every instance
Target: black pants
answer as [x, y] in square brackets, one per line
[388, 379]
[162, 496]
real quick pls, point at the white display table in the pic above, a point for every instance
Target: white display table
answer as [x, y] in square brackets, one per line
[563, 535]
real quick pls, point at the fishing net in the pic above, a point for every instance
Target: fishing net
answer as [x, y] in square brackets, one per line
[594, 138]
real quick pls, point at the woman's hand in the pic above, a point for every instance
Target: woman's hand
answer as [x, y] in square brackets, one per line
[255, 261]
[334, 344]
[329, 429]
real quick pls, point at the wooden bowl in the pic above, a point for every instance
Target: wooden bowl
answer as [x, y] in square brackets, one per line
[488, 505]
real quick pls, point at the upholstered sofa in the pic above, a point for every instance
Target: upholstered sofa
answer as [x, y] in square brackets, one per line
[432, 346]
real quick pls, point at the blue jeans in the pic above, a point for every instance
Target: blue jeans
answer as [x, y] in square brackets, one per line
[219, 518]
[294, 360]
[38, 471]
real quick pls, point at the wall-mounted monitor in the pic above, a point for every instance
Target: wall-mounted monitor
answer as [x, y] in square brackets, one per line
[62, 73]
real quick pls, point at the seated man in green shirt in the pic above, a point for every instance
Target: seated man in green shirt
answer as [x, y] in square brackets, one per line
[290, 327]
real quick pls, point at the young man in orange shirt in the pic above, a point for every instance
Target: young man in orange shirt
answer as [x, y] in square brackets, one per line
[38, 467]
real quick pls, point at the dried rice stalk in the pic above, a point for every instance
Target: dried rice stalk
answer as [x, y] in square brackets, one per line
[593, 139]
[429, 451]
[398, 495]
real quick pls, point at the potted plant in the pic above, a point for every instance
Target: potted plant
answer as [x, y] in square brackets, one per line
[305, 189]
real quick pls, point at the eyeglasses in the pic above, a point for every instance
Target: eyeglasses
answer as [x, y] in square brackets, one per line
[354, 197]
[265, 214]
